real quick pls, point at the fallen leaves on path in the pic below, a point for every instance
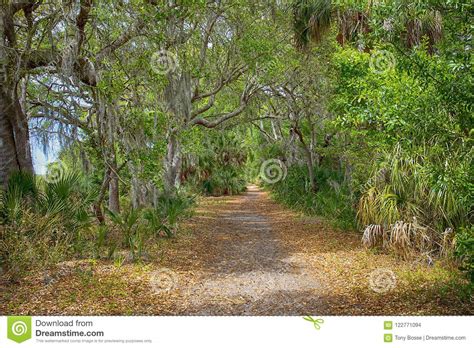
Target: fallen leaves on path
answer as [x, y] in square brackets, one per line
[244, 255]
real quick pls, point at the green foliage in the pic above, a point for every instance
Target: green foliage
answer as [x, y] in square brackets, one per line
[402, 187]
[46, 221]
[387, 115]
[332, 201]
[132, 229]
[402, 103]
[42, 222]
[410, 144]
[67, 198]
[311, 19]
[219, 169]
[168, 212]
[464, 250]
[128, 226]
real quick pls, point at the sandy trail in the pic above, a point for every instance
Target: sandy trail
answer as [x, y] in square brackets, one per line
[250, 269]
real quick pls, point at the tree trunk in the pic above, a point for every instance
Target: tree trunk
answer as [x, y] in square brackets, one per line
[309, 160]
[114, 196]
[138, 189]
[310, 165]
[98, 205]
[178, 97]
[135, 192]
[172, 165]
[15, 153]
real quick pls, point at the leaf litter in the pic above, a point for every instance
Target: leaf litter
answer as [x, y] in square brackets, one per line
[243, 255]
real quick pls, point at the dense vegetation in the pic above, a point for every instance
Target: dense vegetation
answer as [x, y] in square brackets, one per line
[357, 111]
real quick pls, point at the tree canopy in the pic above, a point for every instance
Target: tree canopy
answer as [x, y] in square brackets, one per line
[356, 110]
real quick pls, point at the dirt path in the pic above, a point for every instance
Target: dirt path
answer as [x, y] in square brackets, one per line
[245, 255]
[250, 272]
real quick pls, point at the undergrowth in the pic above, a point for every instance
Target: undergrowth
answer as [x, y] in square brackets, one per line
[332, 201]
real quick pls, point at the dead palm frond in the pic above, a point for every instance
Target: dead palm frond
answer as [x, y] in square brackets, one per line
[433, 26]
[414, 28]
[400, 233]
[448, 242]
[352, 23]
[421, 22]
[374, 235]
[416, 205]
[366, 212]
[407, 237]
[312, 19]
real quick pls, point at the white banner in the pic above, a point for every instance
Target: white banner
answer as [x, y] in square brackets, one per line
[236, 331]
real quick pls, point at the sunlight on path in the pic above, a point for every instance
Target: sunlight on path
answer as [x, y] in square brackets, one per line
[250, 267]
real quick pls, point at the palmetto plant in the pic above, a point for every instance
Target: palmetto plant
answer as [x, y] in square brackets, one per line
[404, 200]
[171, 209]
[21, 192]
[40, 221]
[68, 198]
[218, 169]
[127, 223]
[312, 19]
[71, 197]
[167, 213]
[419, 21]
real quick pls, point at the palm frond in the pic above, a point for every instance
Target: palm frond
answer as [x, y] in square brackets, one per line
[311, 19]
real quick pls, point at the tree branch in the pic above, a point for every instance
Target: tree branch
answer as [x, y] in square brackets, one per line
[248, 92]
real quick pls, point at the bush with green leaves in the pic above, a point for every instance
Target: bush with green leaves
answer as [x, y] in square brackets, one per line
[42, 222]
[410, 150]
[220, 167]
[169, 210]
[464, 250]
[132, 229]
[332, 201]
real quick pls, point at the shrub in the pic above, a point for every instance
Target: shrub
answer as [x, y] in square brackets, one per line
[219, 168]
[464, 250]
[417, 208]
[332, 201]
[42, 222]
